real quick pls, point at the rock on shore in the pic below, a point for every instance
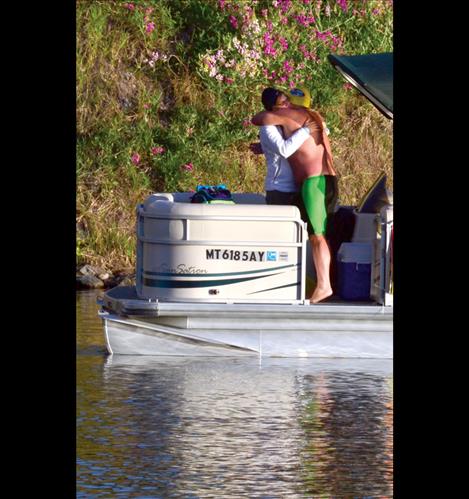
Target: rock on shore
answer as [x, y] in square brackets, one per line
[91, 277]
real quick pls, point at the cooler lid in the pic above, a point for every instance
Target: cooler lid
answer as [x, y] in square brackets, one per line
[371, 74]
[355, 253]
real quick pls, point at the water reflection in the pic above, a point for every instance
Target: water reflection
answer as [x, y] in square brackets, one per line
[207, 427]
[347, 423]
[90, 338]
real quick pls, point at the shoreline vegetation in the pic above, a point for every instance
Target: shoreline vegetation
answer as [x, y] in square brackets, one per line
[166, 90]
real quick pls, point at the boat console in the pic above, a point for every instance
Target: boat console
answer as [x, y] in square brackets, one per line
[247, 252]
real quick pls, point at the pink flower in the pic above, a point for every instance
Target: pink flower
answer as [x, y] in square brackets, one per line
[150, 27]
[322, 35]
[233, 22]
[135, 158]
[188, 167]
[287, 67]
[146, 106]
[269, 45]
[342, 4]
[347, 86]
[129, 6]
[157, 150]
[284, 5]
[246, 123]
[305, 20]
[283, 43]
[229, 81]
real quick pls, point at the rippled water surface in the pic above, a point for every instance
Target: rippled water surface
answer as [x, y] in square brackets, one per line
[152, 427]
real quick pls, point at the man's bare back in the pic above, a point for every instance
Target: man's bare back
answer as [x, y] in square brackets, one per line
[311, 158]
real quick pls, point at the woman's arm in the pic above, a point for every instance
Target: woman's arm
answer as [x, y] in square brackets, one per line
[269, 118]
[272, 139]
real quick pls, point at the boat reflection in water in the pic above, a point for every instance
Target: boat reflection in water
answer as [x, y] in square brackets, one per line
[235, 427]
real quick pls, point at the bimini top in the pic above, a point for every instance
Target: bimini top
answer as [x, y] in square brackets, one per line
[372, 75]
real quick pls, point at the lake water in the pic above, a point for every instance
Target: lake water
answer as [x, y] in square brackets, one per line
[152, 427]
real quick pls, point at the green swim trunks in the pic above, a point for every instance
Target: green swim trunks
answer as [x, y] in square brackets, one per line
[318, 200]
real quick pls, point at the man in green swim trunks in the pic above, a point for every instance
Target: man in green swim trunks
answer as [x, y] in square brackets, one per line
[313, 170]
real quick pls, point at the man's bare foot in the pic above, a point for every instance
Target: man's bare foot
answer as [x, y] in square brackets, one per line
[320, 294]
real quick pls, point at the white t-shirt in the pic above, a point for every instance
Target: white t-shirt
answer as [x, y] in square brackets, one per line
[276, 150]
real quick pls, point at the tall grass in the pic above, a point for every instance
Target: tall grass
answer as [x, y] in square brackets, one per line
[165, 90]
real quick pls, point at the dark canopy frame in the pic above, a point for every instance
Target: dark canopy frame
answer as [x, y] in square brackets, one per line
[372, 75]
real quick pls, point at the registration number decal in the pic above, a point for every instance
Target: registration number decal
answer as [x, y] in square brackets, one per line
[231, 254]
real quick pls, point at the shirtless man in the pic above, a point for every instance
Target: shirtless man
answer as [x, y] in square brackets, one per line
[312, 167]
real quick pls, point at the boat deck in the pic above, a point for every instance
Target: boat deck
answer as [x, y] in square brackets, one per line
[123, 300]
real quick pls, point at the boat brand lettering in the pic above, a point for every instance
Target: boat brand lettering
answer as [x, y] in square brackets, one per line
[226, 254]
[182, 268]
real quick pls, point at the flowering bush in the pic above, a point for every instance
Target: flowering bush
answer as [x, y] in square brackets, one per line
[166, 90]
[285, 43]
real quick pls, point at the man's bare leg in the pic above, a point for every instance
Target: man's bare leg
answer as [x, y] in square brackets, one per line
[322, 263]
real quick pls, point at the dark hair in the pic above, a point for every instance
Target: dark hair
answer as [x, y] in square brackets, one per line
[269, 97]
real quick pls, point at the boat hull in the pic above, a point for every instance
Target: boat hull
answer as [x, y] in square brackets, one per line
[139, 327]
